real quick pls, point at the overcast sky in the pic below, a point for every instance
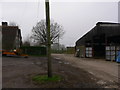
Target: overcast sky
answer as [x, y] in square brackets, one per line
[77, 18]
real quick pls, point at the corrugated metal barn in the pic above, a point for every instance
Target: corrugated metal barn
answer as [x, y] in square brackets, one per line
[103, 41]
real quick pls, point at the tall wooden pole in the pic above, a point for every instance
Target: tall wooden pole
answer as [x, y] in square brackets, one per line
[48, 38]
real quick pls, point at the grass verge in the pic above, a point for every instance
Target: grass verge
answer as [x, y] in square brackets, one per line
[45, 79]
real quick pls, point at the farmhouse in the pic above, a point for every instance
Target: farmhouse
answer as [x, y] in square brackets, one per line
[103, 41]
[11, 37]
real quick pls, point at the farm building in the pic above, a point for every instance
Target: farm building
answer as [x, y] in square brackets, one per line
[70, 50]
[11, 37]
[103, 41]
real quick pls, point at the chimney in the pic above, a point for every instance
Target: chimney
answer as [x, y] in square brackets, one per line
[4, 24]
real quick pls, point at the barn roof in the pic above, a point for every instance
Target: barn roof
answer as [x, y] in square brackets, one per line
[106, 28]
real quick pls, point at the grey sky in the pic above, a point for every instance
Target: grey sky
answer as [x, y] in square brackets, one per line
[77, 18]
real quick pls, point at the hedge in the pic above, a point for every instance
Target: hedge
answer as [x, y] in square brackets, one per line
[34, 50]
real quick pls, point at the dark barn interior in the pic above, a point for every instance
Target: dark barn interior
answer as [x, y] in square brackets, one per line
[99, 46]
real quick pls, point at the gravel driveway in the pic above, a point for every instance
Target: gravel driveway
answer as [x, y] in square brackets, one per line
[107, 71]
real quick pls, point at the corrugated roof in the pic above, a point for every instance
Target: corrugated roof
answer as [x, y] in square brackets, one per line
[107, 28]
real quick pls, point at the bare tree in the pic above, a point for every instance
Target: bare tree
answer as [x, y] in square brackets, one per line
[27, 41]
[39, 32]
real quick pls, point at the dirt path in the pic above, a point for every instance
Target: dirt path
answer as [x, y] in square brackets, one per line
[105, 70]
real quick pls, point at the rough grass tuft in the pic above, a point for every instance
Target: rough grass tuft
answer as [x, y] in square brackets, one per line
[46, 79]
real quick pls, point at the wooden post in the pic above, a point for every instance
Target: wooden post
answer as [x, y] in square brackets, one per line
[48, 38]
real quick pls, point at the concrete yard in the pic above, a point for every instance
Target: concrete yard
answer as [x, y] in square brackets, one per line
[76, 72]
[107, 71]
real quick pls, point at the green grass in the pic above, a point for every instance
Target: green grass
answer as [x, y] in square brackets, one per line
[46, 79]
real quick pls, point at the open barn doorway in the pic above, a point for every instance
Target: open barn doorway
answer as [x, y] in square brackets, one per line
[99, 46]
